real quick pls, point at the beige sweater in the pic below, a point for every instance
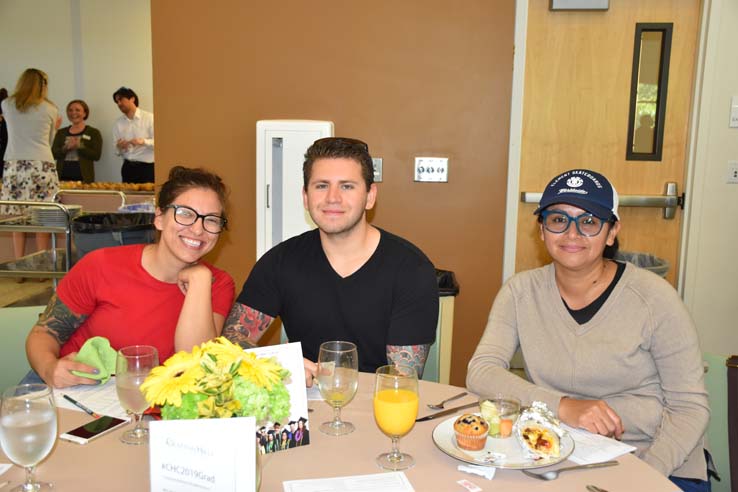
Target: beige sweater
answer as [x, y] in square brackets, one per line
[639, 353]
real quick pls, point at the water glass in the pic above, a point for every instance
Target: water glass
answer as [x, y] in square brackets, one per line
[28, 427]
[132, 365]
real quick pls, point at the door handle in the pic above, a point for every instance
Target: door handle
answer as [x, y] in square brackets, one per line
[669, 201]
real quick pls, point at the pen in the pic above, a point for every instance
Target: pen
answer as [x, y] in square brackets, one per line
[79, 405]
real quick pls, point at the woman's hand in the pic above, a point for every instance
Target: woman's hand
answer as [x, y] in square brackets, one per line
[311, 370]
[197, 274]
[593, 415]
[59, 375]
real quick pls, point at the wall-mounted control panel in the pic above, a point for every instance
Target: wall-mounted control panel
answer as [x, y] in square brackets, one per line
[431, 169]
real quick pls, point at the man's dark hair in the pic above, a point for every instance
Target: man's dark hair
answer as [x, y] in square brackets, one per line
[126, 92]
[339, 147]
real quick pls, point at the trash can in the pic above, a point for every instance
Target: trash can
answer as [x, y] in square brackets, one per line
[438, 363]
[657, 265]
[102, 230]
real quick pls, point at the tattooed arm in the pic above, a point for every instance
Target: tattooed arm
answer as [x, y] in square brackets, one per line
[409, 355]
[245, 325]
[53, 329]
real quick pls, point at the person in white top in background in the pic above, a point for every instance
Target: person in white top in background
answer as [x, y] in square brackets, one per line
[29, 169]
[133, 134]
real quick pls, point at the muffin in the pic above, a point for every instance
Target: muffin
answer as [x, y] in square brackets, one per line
[471, 432]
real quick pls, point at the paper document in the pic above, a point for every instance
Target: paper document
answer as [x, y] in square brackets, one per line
[593, 448]
[386, 482]
[100, 398]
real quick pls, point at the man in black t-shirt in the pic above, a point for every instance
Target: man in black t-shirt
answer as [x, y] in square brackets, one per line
[346, 280]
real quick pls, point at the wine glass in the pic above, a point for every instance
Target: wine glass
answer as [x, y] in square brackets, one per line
[28, 429]
[395, 410]
[132, 365]
[338, 378]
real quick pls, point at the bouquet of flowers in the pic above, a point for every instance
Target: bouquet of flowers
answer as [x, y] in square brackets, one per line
[218, 380]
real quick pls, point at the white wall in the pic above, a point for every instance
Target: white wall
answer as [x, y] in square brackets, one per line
[88, 48]
[710, 285]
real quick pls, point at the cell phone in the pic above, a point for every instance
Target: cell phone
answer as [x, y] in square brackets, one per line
[92, 430]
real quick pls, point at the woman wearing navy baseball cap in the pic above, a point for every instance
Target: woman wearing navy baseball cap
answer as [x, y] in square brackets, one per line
[609, 347]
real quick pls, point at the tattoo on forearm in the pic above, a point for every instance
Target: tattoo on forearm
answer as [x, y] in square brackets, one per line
[59, 321]
[409, 355]
[245, 325]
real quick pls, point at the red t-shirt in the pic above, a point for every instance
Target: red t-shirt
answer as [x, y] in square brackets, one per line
[125, 304]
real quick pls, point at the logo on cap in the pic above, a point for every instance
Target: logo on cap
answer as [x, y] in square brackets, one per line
[574, 182]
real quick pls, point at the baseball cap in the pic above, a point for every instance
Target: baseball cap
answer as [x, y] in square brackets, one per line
[586, 189]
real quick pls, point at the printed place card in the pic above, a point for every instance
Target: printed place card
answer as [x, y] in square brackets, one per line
[203, 454]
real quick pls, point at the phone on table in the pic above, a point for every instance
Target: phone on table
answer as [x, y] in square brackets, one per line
[94, 429]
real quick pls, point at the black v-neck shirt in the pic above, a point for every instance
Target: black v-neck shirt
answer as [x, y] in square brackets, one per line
[585, 314]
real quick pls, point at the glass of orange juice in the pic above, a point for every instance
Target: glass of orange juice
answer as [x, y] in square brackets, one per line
[395, 410]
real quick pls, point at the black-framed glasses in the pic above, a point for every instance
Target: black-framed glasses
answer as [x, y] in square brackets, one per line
[558, 221]
[344, 140]
[186, 216]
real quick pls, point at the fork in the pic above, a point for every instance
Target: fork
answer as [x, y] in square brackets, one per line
[439, 406]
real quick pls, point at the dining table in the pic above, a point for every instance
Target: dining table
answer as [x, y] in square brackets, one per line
[106, 464]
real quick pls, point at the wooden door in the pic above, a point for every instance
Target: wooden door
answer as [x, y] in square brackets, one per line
[575, 114]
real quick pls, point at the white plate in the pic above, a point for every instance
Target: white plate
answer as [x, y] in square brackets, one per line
[499, 453]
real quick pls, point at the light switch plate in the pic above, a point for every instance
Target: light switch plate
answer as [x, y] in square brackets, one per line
[732, 177]
[377, 163]
[734, 112]
[431, 169]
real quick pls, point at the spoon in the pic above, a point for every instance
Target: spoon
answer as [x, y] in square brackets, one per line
[554, 474]
[439, 406]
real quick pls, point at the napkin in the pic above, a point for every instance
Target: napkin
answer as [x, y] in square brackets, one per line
[487, 472]
[97, 352]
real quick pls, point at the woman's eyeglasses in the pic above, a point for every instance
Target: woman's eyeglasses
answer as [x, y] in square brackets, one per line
[187, 216]
[558, 222]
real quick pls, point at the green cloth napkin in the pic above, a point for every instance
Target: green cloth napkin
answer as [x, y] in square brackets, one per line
[97, 352]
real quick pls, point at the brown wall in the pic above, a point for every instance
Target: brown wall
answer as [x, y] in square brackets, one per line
[411, 78]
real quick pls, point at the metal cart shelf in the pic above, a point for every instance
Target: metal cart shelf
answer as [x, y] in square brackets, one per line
[53, 263]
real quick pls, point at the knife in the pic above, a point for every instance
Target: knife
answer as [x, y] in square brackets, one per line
[447, 412]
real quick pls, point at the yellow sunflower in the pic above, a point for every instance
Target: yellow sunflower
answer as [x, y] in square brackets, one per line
[178, 375]
[225, 352]
[261, 371]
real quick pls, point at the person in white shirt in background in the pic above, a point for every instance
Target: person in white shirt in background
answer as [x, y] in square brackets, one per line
[29, 168]
[133, 134]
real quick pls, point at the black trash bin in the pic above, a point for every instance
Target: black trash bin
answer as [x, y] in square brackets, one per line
[447, 284]
[657, 265]
[102, 230]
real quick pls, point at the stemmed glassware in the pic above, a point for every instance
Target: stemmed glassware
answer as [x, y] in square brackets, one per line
[338, 378]
[28, 427]
[132, 365]
[395, 410]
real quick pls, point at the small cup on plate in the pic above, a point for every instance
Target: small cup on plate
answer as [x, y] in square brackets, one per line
[500, 412]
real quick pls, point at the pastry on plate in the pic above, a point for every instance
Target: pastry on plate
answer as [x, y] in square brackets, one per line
[471, 432]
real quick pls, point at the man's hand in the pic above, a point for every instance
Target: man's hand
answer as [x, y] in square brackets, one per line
[122, 144]
[593, 415]
[60, 374]
[137, 141]
[311, 370]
